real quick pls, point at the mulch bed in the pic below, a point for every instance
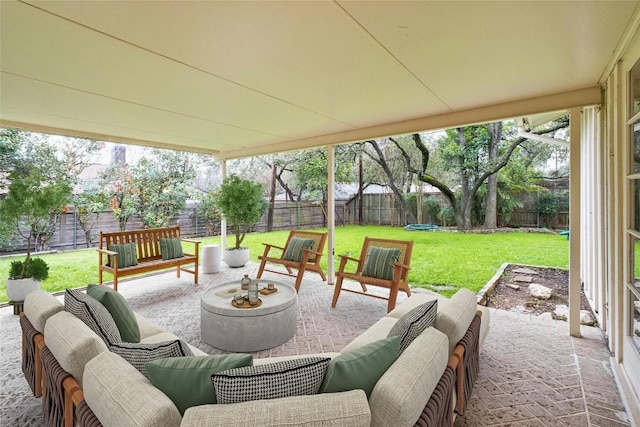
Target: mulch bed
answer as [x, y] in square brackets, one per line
[506, 298]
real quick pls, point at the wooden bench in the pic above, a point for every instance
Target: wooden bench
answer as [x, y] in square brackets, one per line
[148, 254]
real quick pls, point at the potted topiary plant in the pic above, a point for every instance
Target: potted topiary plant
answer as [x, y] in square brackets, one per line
[25, 276]
[242, 204]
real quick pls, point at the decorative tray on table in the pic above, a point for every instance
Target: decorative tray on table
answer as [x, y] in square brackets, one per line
[245, 303]
[266, 291]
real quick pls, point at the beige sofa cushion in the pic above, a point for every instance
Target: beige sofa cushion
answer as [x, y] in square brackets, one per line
[72, 343]
[348, 408]
[403, 391]
[147, 327]
[378, 331]
[39, 306]
[455, 316]
[412, 302]
[485, 321]
[266, 360]
[168, 336]
[119, 395]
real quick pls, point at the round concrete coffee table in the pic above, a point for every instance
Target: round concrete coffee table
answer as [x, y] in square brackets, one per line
[229, 328]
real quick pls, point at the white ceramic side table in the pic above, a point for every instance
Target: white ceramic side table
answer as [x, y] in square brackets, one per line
[211, 257]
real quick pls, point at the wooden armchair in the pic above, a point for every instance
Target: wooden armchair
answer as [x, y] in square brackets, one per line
[384, 263]
[302, 251]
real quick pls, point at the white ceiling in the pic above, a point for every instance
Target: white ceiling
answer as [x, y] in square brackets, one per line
[243, 78]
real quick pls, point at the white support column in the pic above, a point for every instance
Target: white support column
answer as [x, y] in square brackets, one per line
[331, 212]
[223, 223]
[574, 223]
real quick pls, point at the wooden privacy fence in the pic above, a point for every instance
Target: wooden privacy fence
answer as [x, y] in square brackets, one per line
[382, 209]
[287, 215]
[378, 209]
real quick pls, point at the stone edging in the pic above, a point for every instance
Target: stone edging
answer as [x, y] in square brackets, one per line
[491, 284]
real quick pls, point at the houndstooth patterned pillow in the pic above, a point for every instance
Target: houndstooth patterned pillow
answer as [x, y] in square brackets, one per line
[138, 354]
[414, 323]
[93, 314]
[297, 377]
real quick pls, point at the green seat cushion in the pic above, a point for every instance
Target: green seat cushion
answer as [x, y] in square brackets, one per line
[362, 367]
[126, 255]
[119, 309]
[414, 323]
[187, 380]
[296, 377]
[378, 262]
[171, 248]
[295, 247]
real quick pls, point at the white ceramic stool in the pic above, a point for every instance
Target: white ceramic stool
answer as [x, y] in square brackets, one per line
[211, 257]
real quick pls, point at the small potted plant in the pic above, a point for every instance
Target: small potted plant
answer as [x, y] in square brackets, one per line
[25, 276]
[242, 204]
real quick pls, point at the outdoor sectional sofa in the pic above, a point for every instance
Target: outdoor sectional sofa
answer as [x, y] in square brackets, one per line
[86, 384]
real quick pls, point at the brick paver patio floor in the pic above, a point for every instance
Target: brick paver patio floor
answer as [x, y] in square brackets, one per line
[532, 373]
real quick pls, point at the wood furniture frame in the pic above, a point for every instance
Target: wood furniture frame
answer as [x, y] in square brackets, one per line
[148, 253]
[400, 271]
[310, 257]
[32, 343]
[467, 352]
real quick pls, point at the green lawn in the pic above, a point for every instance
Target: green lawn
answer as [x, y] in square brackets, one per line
[458, 259]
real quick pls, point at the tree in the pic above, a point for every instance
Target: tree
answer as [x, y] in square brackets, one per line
[463, 152]
[161, 183]
[378, 156]
[242, 203]
[209, 212]
[491, 198]
[89, 205]
[117, 182]
[38, 187]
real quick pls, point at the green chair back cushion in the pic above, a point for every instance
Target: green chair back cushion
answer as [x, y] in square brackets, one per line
[126, 255]
[187, 380]
[378, 262]
[362, 367]
[119, 309]
[295, 247]
[170, 248]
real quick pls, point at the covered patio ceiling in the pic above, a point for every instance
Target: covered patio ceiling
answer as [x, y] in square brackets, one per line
[237, 79]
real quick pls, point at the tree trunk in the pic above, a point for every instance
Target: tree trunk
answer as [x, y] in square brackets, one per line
[465, 194]
[491, 201]
[394, 188]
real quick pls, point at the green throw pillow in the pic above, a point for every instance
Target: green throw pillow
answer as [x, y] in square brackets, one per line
[171, 248]
[187, 380]
[362, 367]
[119, 309]
[378, 263]
[126, 255]
[295, 247]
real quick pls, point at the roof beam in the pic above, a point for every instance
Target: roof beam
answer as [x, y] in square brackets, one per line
[524, 107]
